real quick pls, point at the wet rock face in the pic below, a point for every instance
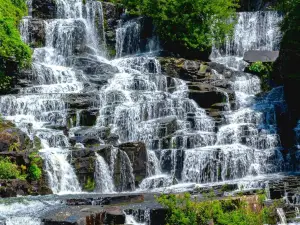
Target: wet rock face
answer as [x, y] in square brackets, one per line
[256, 5]
[112, 14]
[137, 154]
[205, 87]
[44, 9]
[37, 33]
[130, 158]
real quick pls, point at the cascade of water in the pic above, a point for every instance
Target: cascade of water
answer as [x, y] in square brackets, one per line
[126, 175]
[131, 220]
[282, 216]
[253, 31]
[128, 38]
[103, 177]
[80, 26]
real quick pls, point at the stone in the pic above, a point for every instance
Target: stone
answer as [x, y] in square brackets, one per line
[37, 33]
[262, 56]
[206, 99]
[114, 215]
[44, 9]
[137, 154]
[81, 100]
[98, 72]
[112, 13]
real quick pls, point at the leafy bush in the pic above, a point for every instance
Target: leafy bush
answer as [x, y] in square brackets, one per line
[90, 184]
[8, 170]
[264, 71]
[11, 45]
[35, 173]
[182, 210]
[188, 24]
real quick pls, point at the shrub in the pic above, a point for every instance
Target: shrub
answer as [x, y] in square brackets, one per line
[11, 45]
[188, 24]
[35, 173]
[8, 170]
[90, 184]
[182, 210]
[264, 71]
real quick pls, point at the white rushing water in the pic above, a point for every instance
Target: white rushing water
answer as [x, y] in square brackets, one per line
[253, 31]
[103, 176]
[138, 103]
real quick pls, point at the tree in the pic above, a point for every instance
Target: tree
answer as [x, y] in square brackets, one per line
[188, 26]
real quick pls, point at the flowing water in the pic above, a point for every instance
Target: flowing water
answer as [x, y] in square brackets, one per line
[138, 103]
[254, 31]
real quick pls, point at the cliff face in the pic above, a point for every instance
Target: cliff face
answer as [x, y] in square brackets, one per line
[256, 5]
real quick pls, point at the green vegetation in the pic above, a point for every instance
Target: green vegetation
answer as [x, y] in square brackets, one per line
[192, 26]
[35, 173]
[90, 184]
[182, 210]
[264, 71]
[8, 170]
[11, 45]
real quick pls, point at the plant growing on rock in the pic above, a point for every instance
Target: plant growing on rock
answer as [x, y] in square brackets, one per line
[264, 71]
[35, 173]
[188, 26]
[11, 45]
[8, 170]
[184, 210]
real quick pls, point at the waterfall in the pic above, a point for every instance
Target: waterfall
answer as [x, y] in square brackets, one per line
[281, 215]
[253, 31]
[128, 38]
[78, 26]
[61, 175]
[103, 177]
[136, 102]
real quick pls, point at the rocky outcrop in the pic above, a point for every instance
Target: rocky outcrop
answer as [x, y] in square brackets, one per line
[36, 33]
[261, 56]
[88, 215]
[129, 161]
[44, 9]
[206, 87]
[19, 153]
[112, 13]
[137, 154]
[16, 187]
[256, 5]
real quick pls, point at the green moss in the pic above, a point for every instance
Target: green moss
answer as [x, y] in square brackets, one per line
[90, 184]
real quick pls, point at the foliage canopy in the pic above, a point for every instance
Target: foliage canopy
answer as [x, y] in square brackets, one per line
[183, 210]
[193, 25]
[11, 45]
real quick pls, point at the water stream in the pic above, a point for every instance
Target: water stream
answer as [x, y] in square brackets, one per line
[138, 103]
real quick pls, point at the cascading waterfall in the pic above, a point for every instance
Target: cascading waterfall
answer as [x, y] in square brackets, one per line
[138, 103]
[262, 34]
[103, 177]
[42, 104]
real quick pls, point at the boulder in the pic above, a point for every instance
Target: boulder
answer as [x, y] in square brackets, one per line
[44, 9]
[112, 14]
[99, 72]
[206, 99]
[37, 33]
[262, 56]
[81, 100]
[137, 154]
